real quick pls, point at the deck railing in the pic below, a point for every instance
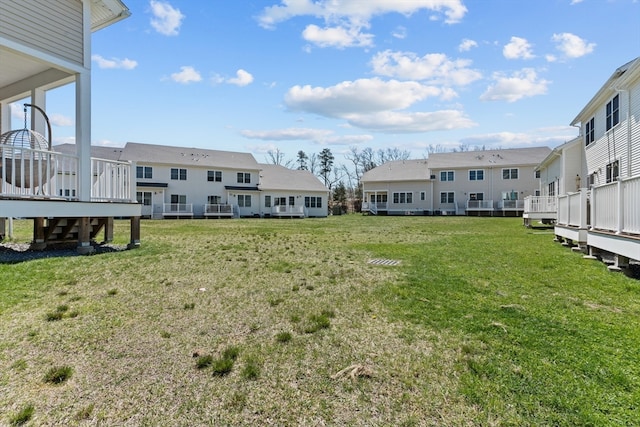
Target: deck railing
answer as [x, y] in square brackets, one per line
[540, 204]
[572, 209]
[287, 210]
[40, 174]
[616, 206]
[111, 180]
[511, 205]
[479, 204]
[218, 209]
[177, 209]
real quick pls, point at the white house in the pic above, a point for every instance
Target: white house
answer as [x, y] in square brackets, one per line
[45, 44]
[183, 182]
[562, 171]
[490, 182]
[605, 218]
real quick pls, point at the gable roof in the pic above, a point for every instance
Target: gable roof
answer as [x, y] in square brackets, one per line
[489, 158]
[107, 153]
[183, 156]
[107, 12]
[398, 170]
[276, 177]
[620, 76]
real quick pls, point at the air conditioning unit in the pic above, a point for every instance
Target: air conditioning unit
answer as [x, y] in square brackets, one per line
[433, 177]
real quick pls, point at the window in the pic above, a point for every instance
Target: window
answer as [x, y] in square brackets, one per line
[280, 201]
[613, 171]
[476, 196]
[214, 176]
[537, 174]
[509, 173]
[401, 198]
[244, 178]
[378, 198]
[423, 195]
[446, 197]
[143, 197]
[144, 172]
[589, 132]
[446, 176]
[267, 201]
[180, 174]
[552, 189]
[214, 200]
[476, 175]
[292, 200]
[313, 202]
[179, 198]
[613, 113]
[244, 200]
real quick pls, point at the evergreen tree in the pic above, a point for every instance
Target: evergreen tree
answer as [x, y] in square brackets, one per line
[326, 165]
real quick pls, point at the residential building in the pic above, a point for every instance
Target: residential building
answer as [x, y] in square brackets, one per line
[488, 182]
[604, 216]
[183, 182]
[69, 197]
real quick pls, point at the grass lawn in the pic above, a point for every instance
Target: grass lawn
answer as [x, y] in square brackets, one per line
[285, 322]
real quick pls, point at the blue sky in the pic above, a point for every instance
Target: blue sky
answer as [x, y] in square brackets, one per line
[260, 75]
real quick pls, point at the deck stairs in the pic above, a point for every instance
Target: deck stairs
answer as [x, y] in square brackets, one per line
[63, 230]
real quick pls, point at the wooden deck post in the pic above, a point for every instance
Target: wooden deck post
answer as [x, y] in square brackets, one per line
[135, 233]
[108, 230]
[3, 229]
[84, 236]
[38, 242]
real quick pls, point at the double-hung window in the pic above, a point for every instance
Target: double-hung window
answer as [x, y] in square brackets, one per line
[613, 112]
[589, 132]
[402, 198]
[476, 175]
[446, 197]
[510, 173]
[244, 178]
[447, 176]
[179, 174]
[613, 171]
[144, 172]
[244, 200]
[312, 202]
[214, 176]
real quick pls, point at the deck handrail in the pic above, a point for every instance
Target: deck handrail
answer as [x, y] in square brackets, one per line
[218, 209]
[540, 204]
[615, 206]
[177, 209]
[479, 204]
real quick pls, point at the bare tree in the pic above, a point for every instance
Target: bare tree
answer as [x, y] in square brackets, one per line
[313, 163]
[391, 154]
[277, 157]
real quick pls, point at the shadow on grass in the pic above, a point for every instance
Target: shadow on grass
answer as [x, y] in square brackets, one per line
[15, 253]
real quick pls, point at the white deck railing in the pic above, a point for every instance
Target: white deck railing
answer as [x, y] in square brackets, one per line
[218, 209]
[40, 174]
[540, 204]
[287, 210]
[511, 205]
[111, 180]
[572, 209]
[616, 206]
[177, 209]
[479, 204]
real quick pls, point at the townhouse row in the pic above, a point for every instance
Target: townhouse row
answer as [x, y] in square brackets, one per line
[181, 182]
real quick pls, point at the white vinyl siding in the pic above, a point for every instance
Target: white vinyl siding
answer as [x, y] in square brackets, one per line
[50, 26]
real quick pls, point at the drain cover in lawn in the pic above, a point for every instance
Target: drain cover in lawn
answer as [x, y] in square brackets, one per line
[382, 261]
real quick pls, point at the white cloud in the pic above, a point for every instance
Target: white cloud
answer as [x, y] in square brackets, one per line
[466, 45]
[318, 136]
[60, 120]
[576, 2]
[520, 84]
[549, 137]
[572, 46]
[345, 19]
[436, 68]
[166, 19]
[359, 96]
[242, 78]
[186, 75]
[113, 63]
[518, 48]
[400, 33]
[339, 37]
[406, 122]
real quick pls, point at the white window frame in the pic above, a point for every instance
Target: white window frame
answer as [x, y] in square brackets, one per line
[446, 195]
[510, 173]
[447, 176]
[473, 174]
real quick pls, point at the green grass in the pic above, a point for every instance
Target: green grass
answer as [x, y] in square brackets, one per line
[484, 322]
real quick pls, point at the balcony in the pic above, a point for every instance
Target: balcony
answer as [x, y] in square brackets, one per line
[284, 211]
[540, 208]
[218, 210]
[177, 210]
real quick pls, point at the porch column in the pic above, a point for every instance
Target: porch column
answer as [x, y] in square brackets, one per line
[38, 122]
[83, 134]
[108, 229]
[135, 233]
[84, 236]
[5, 117]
